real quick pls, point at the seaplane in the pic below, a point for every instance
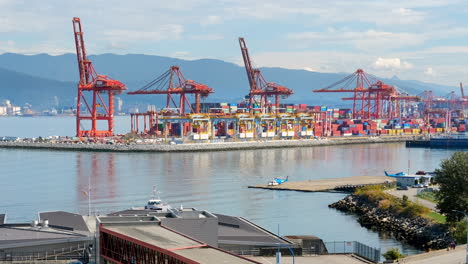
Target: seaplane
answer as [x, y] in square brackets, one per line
[278, 181]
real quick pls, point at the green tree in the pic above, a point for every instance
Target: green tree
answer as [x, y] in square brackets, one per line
[452, 177]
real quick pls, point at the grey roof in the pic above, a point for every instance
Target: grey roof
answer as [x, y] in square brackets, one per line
[153, 234]
[2, 218]
[138, 212]
[65, 219]
[237, 230]
[211, 255]
[176, 243]
[21, 233]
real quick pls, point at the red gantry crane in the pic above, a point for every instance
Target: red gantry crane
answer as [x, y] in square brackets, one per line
[259, 87]
[99, 86]
[372, 99]
[173, 82]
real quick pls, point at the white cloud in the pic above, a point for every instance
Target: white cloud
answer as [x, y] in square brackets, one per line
[49, 48]
[180, 54]
[366, 40]
[309, 69]
[392, 64]
[211, 20]
[429, 71]
[207, 37]
[446, 50]
[164, 32]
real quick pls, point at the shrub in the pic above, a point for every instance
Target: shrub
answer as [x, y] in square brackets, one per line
[393, 254]
[385, 204]
[458, 231]
[414, 210]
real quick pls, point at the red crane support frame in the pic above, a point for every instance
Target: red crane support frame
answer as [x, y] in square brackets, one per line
[371, 98]
[98, 85]
[173, 82]
[259, 87]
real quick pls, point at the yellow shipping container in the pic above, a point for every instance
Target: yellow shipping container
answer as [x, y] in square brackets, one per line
[439, 129]
[416, 131]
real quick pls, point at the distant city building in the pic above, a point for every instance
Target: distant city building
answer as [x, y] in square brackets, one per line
[119, 104]
[151, 108]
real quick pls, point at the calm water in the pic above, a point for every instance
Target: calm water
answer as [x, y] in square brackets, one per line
[36, 180]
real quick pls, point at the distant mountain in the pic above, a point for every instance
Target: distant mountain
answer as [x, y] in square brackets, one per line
[22, 88]
[228, 80]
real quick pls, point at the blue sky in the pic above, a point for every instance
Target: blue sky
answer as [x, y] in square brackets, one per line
[424, 40]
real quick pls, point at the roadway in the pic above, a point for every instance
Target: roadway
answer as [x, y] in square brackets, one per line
[456, 256]
[411, 193]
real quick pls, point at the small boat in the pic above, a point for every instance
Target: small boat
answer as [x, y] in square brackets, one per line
[278, 181]
[155, 203]
[158, 205]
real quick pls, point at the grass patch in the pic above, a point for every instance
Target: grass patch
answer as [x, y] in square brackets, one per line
[430, 196]
[385, 201]
[437, 217]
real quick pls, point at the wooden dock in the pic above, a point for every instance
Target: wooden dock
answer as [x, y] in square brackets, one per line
[326, 185]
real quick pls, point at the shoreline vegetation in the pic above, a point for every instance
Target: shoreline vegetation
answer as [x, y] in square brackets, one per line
[202, 146]
[405, 220]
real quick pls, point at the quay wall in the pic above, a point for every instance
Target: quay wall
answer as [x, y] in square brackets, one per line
[189, 147]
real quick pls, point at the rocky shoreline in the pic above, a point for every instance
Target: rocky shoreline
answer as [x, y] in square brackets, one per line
[206, 146]
[419, 232]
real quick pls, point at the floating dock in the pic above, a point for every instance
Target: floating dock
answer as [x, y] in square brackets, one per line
[327, 185]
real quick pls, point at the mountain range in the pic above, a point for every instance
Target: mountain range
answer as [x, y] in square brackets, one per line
[36, 79]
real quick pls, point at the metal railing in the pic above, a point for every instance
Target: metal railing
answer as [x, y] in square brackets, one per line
[65, 253]
[353, 247]
[246, 252]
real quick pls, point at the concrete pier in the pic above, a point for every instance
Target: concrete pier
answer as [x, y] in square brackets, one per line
[325, 185]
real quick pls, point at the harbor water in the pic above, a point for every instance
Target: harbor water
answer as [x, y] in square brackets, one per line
[41, 180]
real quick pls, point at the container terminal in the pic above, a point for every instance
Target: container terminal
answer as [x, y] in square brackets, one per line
[375, 109]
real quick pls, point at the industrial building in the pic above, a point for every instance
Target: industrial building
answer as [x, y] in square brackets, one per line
[54, 236]
[184, 235]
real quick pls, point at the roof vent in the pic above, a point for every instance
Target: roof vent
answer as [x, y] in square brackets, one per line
[34, 223]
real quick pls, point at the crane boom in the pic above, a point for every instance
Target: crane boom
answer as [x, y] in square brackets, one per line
[461, 90]
[248, 64]
[86, 70]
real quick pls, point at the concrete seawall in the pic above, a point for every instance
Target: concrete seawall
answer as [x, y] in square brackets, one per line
[188, 147]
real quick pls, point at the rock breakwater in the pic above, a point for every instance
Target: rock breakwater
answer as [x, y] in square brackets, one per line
[205, 146]
[417, 231]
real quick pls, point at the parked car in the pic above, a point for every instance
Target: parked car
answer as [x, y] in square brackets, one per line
[402, 188]
[420, 185]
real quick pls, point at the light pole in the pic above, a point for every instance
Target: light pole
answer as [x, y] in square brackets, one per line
[466, 218]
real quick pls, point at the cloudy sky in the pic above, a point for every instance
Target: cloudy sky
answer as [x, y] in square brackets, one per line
[424, 40]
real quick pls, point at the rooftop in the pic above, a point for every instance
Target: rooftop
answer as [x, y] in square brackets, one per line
[165, 238]
[12, 235]
[154, 235]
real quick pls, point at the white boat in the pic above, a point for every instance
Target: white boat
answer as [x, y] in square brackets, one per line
[155, 203]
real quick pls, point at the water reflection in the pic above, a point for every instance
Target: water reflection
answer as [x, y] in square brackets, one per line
[96, 180]
[35, 181]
